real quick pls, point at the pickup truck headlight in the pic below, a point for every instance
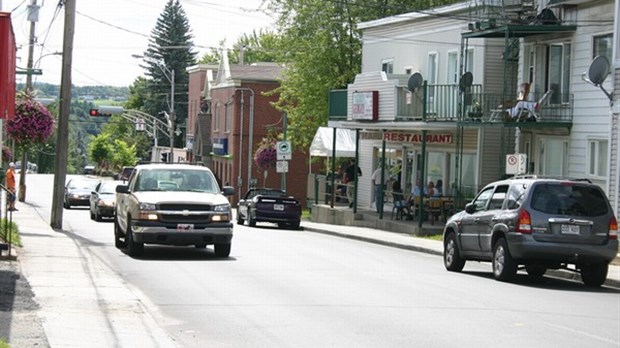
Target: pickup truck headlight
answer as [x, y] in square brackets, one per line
[224, 212]
[221, 208]
[147, 211]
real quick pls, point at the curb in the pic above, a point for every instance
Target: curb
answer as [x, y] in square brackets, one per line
[558, 273]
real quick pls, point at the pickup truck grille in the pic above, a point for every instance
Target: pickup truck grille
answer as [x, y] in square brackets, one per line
[188, 207]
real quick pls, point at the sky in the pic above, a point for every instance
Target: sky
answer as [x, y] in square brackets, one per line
[109, 32]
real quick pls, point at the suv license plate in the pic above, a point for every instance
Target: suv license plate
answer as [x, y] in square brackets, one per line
[185, 227]
[570, 229]
[278, 207]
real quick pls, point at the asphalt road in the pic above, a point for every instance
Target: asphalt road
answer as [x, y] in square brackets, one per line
[285, 288]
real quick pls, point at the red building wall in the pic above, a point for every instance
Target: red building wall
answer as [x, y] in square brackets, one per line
[227, 165]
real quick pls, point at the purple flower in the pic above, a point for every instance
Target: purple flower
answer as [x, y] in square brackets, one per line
[33, 123]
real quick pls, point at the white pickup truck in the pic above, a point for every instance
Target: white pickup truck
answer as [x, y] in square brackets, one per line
[173, 204]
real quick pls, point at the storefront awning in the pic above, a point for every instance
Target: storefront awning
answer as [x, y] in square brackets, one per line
[323, 142]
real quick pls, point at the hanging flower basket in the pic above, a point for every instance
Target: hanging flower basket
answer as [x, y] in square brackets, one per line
[33, 123]
[7, 155]
[266, 155]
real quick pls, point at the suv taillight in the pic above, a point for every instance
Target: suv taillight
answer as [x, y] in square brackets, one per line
[524, 222]
[613, 228]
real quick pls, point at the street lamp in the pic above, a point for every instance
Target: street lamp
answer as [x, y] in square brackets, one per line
[169, 74]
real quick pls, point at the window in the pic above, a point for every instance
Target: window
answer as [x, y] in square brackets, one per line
[553, 157]
[452, 75]
[387, 66]
[469, 60]
[597, 153]
[216, 117]
[497, 201]
[603, 46]
[432, 81]
[483, 198]
[228, 118]
[467, 164]
[559, 58]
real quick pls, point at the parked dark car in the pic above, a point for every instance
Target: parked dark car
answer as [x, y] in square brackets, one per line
[103, 200]
[269, 205]
[537, 223]
[125, 173]
[77, 191]
[89, 170]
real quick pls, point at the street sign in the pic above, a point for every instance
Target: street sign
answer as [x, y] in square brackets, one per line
[516, 164]
[282, 167]
[283, 150]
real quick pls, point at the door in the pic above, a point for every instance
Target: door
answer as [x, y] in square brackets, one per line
[469, 235]
[486, 222]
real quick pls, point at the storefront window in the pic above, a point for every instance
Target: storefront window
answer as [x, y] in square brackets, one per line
[468, 176]
[436, 167]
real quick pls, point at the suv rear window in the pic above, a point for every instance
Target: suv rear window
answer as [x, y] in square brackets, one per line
[576, 200]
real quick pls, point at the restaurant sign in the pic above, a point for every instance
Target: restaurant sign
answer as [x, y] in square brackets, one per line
[431, 138]
[365, 106]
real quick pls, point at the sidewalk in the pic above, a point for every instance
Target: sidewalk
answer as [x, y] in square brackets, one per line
[82, 302]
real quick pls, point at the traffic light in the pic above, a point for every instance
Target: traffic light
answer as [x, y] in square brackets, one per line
[97, 113]
[106, 111]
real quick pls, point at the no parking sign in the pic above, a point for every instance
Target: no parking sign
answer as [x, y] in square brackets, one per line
[516, 164]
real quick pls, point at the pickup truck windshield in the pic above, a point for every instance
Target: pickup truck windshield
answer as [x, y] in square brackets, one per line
[176, 180]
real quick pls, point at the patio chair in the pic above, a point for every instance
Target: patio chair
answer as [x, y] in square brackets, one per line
[398, 209]
[532, 113]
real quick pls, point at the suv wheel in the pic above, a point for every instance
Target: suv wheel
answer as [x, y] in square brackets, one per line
[594, 274]
[118, 236]
[222, 250]
[451, 255]
[134, 248]
[504, 266]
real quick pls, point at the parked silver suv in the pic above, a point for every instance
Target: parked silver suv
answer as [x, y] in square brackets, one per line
[537, 223]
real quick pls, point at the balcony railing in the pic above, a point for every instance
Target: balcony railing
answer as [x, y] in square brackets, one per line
[445, 102]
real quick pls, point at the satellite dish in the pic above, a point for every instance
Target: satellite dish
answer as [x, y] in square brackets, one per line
[599, 70]
[415, 81]
[466, 80]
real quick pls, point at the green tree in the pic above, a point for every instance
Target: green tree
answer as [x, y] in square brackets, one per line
[321, 46]
[170, 50]
[100, 152]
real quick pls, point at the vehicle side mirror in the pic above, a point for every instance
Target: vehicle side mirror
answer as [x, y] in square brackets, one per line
[228, 191]
[122, 189]
[470, 208]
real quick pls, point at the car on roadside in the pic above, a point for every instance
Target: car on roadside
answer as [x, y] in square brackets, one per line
[269, 205]
[173, 204]
[535, 223]
[103, 200]
[89, 170]
[77, 191]
[124, 173]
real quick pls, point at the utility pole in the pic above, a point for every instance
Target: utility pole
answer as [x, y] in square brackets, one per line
[33, 17]
[62, 140]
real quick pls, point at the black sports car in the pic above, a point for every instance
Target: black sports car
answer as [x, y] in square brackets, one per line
[269, 205]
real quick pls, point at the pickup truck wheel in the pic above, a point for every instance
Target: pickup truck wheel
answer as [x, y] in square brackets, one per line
[451, 256]
[134, 248]
[594, 275]
[119, 242]
[222, 250]
[504, 266]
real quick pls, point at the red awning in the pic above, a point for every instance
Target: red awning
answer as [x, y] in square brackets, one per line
[7, 67]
